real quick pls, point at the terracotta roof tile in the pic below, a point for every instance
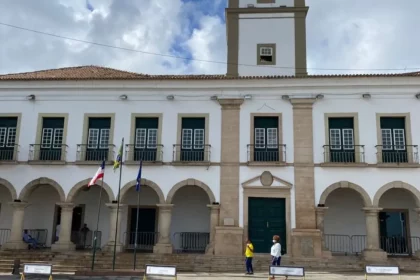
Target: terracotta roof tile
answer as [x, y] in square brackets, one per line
[104, 73]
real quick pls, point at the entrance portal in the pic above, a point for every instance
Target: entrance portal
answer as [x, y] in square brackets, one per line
[146, 232]
[266, 217]
[393, 231]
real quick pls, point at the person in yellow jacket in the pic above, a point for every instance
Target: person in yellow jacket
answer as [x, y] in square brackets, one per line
[249, 254]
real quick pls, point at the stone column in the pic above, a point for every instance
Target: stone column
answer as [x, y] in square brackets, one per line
[229, 236]
[164, 245]
[112, 221]
[373, 251]
[306, 238]
[16, 233]
[320, 217]
[214, 222]
[64, 240]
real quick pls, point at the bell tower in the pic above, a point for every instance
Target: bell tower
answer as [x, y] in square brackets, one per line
[266, 37]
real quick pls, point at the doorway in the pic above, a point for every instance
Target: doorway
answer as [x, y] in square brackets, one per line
[76, 224]
[394, 232]
[146, 231]
[266, 217]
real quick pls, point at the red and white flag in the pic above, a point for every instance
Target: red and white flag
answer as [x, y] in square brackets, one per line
[99, 175]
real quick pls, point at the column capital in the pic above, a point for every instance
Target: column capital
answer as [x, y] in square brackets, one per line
[231, 103]
[321, 209]
[372, 210]
[165, 207]
[302, 103]
[213, 207]
[114, 206]
[66, 206]
[19, 205]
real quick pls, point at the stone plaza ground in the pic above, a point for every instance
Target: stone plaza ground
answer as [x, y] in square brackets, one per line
[236, 276]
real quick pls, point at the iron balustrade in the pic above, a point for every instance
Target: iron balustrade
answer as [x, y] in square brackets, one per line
[273, 153]
[191, 242]
[86, 240]
[146, 154]
[145, 241]
[355, 244]
[194, 154]
[40, 235]
[344, 154]
[38, 153]
[84, 153]
[8, 153]
[397, 154]
[4, 236]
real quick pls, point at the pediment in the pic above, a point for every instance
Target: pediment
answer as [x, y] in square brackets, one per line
[267, 180]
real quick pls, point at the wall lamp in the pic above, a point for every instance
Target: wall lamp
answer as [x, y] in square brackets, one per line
[170, 97]
[248, 97]
[214, 97]
[366, 96]
[417, 95]
[30, 97]
[319, 96]
[123, 97]
[285, 97]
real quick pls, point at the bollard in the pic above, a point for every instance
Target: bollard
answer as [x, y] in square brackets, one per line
[16, 267]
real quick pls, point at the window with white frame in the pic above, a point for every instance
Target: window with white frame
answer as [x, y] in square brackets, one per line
[3, 136]
[259, 138]
[11, 137]
[348, 139]
[272, 139]
[187, 140]
[198, 139]
[93, 138]
[335, 139]
[386, 139]
[266, 54]
[152, 138]
[141, 134]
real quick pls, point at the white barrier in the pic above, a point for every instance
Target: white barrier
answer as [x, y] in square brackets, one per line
[382, 270]
[160, 270]
[37, 269]
[287, 271]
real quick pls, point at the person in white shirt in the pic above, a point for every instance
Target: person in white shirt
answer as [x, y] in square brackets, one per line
[276, 252]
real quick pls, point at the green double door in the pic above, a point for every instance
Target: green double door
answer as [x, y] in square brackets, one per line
[266, 218]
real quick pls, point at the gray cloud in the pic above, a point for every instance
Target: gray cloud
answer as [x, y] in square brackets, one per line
[341, 34]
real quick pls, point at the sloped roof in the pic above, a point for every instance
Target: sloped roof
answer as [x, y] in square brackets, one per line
[103, 73]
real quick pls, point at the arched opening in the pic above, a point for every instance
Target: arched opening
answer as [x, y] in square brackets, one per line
[146, 222]
[399, 229]
[190, 225]
[7, 194]
[85, 214]
[344, 221]
[42, 195]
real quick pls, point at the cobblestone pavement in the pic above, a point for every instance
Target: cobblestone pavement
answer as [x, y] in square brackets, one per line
[226, 276]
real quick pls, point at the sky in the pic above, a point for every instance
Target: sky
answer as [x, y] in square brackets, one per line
[343, 36]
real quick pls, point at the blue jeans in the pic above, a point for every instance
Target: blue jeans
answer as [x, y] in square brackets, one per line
[276, 261]
[248, 263]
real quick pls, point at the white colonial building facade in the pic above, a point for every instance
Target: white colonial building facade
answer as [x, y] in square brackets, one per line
[328, 163]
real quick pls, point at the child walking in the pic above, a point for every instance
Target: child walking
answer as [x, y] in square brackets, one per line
[249, 253]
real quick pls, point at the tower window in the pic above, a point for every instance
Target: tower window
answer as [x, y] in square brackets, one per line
[266, 54]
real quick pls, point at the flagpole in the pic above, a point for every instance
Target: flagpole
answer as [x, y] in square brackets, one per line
[97, 221]
[118, 208]
[137, 218]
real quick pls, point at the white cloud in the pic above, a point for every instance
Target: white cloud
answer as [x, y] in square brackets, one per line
[341, 34]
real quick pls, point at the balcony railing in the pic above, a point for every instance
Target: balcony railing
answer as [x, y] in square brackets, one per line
[38, 153]
[273, 153]
[146, 154]
[4, 236]
[40, 235]
[193, 154]
[397, 154]
[8, 153]
[191, 242]
[84, 153]
[344, 154]
[145, 240]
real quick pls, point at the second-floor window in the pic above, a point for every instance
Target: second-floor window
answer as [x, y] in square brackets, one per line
[394, 147]
[146, 139]
[51, 139]
[266, 146]
[193, 139]
[98, 139]
[8, 129]
[341, 136]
